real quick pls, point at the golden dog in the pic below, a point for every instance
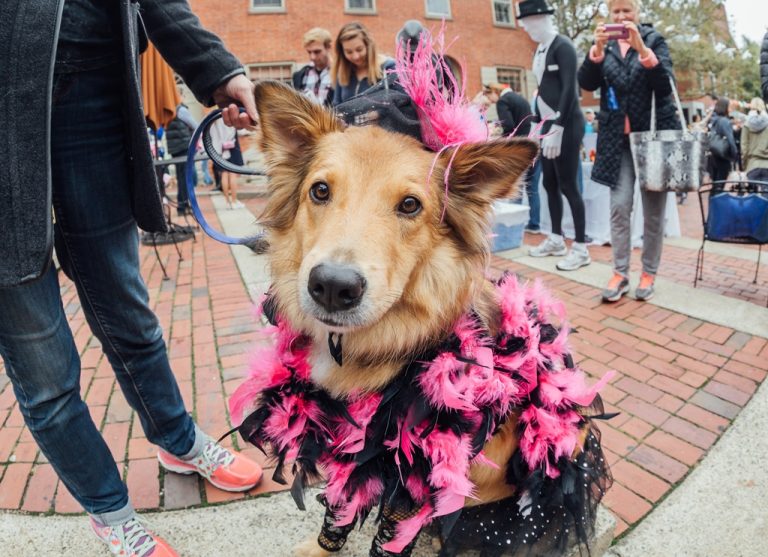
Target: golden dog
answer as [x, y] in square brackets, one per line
[369, 239]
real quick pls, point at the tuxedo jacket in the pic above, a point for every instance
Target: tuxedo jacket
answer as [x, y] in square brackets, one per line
[558, 87]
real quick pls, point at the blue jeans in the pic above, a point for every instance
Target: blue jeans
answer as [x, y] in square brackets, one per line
[531, 184]
[96, 241]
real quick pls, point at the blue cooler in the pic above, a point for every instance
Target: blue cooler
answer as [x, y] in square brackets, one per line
[509, 220]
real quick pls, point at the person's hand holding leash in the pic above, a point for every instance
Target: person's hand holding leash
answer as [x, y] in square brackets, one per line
[239, 90]
[552, 142]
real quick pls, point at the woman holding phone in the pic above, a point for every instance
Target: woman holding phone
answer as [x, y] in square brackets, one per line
[356, 66]
[630, 64]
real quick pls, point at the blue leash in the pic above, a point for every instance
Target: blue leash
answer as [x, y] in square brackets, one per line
[204, 130]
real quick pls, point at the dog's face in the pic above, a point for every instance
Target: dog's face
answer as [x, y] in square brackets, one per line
[364, 235]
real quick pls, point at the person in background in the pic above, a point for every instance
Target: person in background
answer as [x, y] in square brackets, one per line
[557, 106]
[719, 167]
[225, 141]
[754, 141]
[314, 79]
[736, 124]
[356, 64]
[590, 125]
[515, 120]
[515, 116]
[177, 135]
[629, 72]
[83, 179]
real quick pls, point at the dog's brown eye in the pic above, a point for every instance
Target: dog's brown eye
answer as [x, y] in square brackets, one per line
[320, 192]
[409, 206]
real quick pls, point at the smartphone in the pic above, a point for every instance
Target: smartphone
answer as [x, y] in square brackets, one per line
[617, 31]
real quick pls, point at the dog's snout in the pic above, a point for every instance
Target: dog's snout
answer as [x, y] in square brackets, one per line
[336, 287]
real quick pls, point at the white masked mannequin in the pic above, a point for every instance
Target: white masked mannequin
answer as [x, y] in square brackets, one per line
[541, 28]
[557, 105]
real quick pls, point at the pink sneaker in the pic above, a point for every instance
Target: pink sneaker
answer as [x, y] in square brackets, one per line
[224, 469]
[132, 539]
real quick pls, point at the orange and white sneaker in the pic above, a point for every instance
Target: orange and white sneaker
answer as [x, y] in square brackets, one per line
[224, 469]
[616, 288]
[645, 289]
[132, 539]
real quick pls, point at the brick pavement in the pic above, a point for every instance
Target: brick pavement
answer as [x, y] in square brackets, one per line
[680, 383]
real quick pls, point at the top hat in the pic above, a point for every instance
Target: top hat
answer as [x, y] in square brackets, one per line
[533, 7]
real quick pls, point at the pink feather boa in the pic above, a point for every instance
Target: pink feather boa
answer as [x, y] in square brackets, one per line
[494, 378]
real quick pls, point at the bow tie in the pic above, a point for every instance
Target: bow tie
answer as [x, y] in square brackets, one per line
[541, 50]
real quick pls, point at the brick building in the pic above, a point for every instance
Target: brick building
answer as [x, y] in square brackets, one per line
[267, 34]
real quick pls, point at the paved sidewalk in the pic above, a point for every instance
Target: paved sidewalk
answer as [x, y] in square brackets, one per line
[682, 380]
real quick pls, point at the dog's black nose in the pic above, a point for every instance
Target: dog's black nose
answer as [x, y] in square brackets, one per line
[335, 287]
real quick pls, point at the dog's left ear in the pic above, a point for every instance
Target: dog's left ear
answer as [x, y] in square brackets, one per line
[479, 174]
[291, 126]
[290, 122]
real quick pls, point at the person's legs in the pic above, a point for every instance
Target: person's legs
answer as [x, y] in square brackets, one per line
[42, 362]
[531, 184]
[621, 213]
[226, 187]
[97, 245]
[207, 179]
[567, 167]
[554, 197]
[534, 221]
[654, 207]
[182, 198]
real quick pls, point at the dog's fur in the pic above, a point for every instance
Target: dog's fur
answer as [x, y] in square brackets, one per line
[422, 271]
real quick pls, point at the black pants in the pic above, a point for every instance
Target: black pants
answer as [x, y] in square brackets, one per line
[560, 177]
[719, 168]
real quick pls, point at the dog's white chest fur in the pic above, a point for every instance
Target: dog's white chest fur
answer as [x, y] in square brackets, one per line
[322, 364]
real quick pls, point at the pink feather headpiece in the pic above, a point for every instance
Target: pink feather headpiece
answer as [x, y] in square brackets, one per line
[446, 117]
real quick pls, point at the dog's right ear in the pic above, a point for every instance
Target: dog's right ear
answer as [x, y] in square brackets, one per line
[290, 122]
[291, 125]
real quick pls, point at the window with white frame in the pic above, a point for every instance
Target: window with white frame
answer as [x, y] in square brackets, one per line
[438, 8]
[360, 6]
[503, 13]
[279, 71]
[261, 6]
[514, 77]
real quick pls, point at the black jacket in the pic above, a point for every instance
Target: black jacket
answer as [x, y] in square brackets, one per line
[558, 86]
[764, 67]
[27, 43]
[722, 127]
[634, 87]
[514, 114]
[177, 135]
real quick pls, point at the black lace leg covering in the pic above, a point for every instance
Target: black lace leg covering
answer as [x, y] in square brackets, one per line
[332, 538]
[387, 527]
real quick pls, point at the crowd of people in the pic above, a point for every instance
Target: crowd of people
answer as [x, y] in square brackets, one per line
[94, 173]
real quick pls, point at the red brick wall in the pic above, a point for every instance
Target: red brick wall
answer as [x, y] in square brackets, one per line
[277, 37]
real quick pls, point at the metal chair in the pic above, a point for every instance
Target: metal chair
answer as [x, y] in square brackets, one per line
[733, 212]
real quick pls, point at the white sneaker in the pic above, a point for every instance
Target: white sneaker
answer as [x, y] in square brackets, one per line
[549, 246]
[576, 258]
[238, 205]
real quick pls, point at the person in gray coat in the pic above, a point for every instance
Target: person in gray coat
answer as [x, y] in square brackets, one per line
[76, 147]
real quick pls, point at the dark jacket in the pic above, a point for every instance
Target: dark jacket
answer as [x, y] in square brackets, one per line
[558, 86]
[721, 125]
[297, 80]
[342, 93]
[634, 87]
[28, 31]
[764, 67]
[514, 114]
[178, 134]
